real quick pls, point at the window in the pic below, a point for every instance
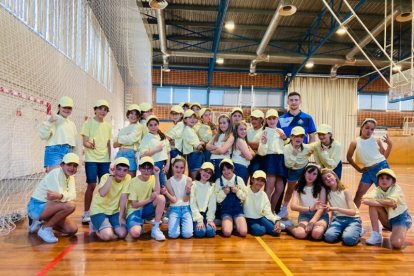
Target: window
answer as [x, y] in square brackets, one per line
[379, 102]
[198, 96]
[364, 101]
[216, 97]
[180, 95]
[407, 105]
[163, 95]
[376, 101]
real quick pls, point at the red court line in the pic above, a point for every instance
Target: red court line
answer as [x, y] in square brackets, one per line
[56, 260]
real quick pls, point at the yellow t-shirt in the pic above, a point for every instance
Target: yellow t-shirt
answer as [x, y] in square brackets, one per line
[109, 204]
[56, 181]
[393, 193]
[101, 133]
[140, 190]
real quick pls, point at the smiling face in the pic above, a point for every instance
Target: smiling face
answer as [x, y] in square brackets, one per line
[146, 114]
[101, 112]
[190, 121]
[325, 138]
[310, 175]
[178, 168]
[272, 121]
[256, 122]
[176, 117]
[133, 116]
[120, 172]
[146, 170]
[242, 131]
[385, 181]
[236, 117]
[223, 124]
[65, 111]
[153, 126]
[330, 181]
[227, 171]
[69, 169]
[205, 175]
[258, 184]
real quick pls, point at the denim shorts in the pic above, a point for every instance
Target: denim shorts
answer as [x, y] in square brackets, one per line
[293, 175]
[307, 216]
[101, 221]
[403, 220]
[94, 171]
[195, 160]
[242, 171]
[130, 155]
[35, 208]
[175, 152]
[54, 154]
[217, 171]
[163, 178]
[137, 217]
[274, 164]
[370, 176]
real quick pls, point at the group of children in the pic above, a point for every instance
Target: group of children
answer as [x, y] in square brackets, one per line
[237, 174]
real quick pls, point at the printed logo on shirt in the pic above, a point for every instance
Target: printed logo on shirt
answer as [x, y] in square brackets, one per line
[301, 122]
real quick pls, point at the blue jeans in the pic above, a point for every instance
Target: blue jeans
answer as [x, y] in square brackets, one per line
[137, 217]
[180, 222]
[130, 155]
[261, 226]
[163, 177]
[207, 231]
[217, 171]
[346, 228]
[241, 171]
[54, 154]
[370, 176]
[175, 152]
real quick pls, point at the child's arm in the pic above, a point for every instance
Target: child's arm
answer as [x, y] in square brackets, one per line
[104, 189]
[349, 155]
[221, 192]
[225, 147]
[210, 145]
[386, 152]
[188, 185]
[86, 143]
[295, 206]
[212, 206]
[247, 152]
[350, 211]
[169, 192]
[122, 207]
[318, 207]
[132, 137]
[240, 189]
[157, 180]
[108, 145]
[195, 212]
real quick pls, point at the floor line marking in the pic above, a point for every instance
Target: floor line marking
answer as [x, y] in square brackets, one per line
[56, 260]
[274, 257]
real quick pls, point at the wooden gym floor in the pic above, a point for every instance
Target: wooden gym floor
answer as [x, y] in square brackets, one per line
[24, 254]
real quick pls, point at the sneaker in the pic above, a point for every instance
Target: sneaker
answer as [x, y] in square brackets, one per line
[149, 221]
[375, 238]
[86, 218]
[46, 234]
[157, 234]
[165, 220]
[285, 223]
[283, 212]
[34, 225]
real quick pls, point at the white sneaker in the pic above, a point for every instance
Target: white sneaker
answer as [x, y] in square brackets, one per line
[285, 223]
[157, 234]
[283, 213]
[375, 238]
[165, 220]
[149, 221]
[86, 218]
[34, 225]
[46, 234]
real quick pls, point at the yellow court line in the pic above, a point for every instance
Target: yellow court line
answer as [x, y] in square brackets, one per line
[274, 257]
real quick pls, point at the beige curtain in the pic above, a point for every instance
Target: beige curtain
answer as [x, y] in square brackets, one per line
[332, 102]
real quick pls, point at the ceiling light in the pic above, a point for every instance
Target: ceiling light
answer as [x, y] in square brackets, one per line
[229, 25]
[309, 64]
[158, 4]
[405, 14]
[396, 68]
[341, 30]
[252, 74]
[220, 60]
[287, 8]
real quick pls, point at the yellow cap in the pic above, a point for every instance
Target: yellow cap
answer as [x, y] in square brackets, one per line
[146, 159]
[296, 131]
[236, 109]
[272, 113]
[182, 104]
[134, 107]
[227, 160]
[207, 166]
[102, 103]
[324, 129]
[259, 174]
[203, 110]
[121, 160]
[387, 171]
[257, 114]
[195, 104]
[152, 117]
[66, 101]
[71, 158]
[177, 109]
[145, 107]
[188, 113]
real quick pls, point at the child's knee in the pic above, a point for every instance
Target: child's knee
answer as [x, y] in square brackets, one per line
[257, 230]
[135, 232]
[71, 230]
[121, 232]
[397, 243]
[160, 200]
[317, 234]
[227, 232]
[187, 234]
[106, 235]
